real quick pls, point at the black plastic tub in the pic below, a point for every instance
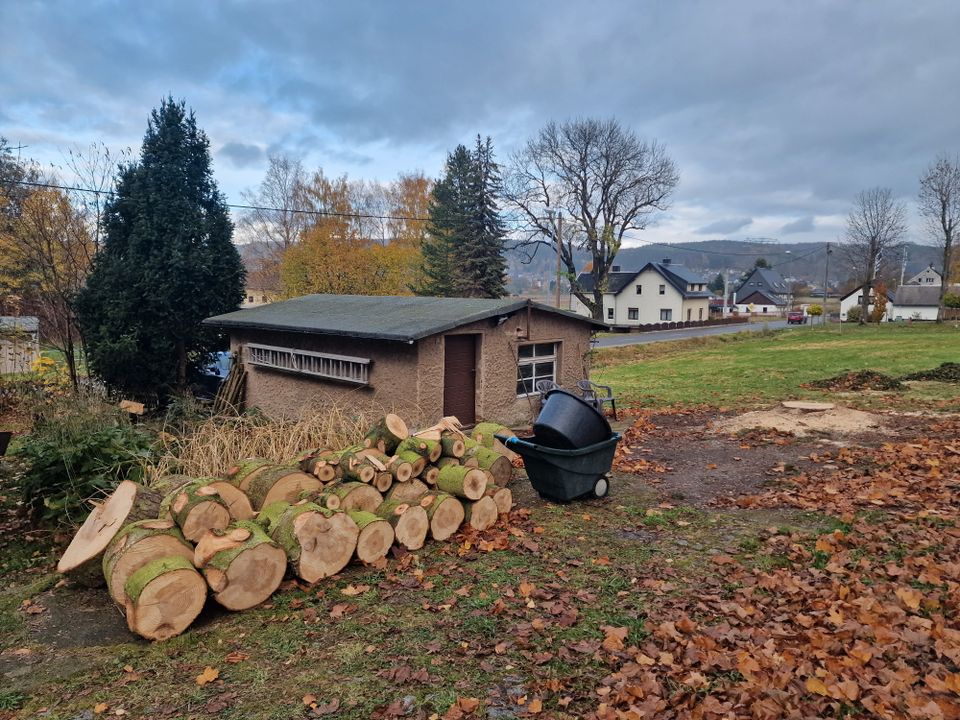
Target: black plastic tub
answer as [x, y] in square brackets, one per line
[562, 474]
[5, 436]
[568, 422]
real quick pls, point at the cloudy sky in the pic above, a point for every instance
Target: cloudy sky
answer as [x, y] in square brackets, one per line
[777, 113]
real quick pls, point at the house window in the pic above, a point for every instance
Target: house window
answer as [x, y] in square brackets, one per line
[663, 289]
[930, 280]
[666, 314]
[764, 308]
[700, 314]
[304, 362]
[689, 314]
[633, 314]
[249, 298]
[535, 362]
[639, 289]
[610, 313]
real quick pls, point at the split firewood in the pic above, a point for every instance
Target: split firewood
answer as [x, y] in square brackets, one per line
[429, 449]
[319, 542]
[244, 471]
[163, 597]
[445, 513]
[502, 496]
[346, 496]
[320, 462]
[410, 522]
[448, 424]
[416, 462]
[235, 499]
[128, 503]
[464, 482]
[375, 538]
[196, 507]
[481, 514]
[498, 465]
[241, 564]
[386, 434]
[354, 466]
[280, 483]
[406, 491]
[137, 544]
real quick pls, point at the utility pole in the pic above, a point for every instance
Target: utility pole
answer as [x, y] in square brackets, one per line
[559, 247]
[826, 277]
[903, 264]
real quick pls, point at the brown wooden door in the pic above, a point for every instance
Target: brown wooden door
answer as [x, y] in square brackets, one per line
[460, 377]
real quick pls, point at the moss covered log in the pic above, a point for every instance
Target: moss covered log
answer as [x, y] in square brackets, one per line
[242, 565]
[136, 545]
[163, 597]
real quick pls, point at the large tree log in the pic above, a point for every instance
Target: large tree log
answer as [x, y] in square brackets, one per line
[136, 545]
[502, 496]
[81, 561]
[244, 471]
[280, 483]
[163, 597]
[375, 538]
[445, 513]
[241, 564]
[349, 496]
[406, 491]
[354, 466]
[410, 522]
[464, 482]
[481, 514]
[196, 507]
[429, 449]
[498, 465]
[321, 463]
[386, 434]
[235, 499]
[319, 542]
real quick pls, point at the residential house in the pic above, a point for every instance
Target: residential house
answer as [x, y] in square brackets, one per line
[423, 357]
[853, 299]
[763, 292]
[656, 293]
[928, 277]
[915, 302]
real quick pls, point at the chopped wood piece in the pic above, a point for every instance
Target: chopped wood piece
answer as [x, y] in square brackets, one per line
[445, 513]
[128, 503]
[464, 482]
[383, 481]
[320, 462]
[279, 483]
[136, 545]
[498, 465]
[429, 449]
[235, 499]
[401, 470]
[352, 496]
[502, 496]
[452, 444]
[416, 462]
[196, 508]
[376, 536]
[410, 522]
[431, 474]
[243, 472]
[354, 466]
[407, 491]
[386, 434]
[163, 597]
[242, 565]
[319, 542]
[481, 514]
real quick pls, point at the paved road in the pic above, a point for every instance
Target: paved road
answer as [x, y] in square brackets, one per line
[663, 335]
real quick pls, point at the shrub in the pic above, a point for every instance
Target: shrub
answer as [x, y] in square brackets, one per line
[951, 300]
[853, 314]
[79, 448]
[814, 310]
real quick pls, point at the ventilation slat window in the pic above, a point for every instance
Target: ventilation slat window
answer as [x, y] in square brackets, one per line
[305, 362]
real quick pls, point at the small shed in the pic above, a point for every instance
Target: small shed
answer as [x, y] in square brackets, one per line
[19, 343]
[915, 302]
[420, 356]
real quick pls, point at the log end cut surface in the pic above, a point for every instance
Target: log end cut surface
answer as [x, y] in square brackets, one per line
[205, 516]
[446, 519]
[135, 555]
[99, 528]
[483, 513]
[374, 541]
[252, 577]
[412, 527]
[326, 544]
[167, 605]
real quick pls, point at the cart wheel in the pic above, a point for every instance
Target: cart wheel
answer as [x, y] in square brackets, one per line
[601, 487]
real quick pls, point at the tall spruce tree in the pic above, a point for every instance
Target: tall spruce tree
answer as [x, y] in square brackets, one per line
[484, 266]
[167, 262]
[463, 252]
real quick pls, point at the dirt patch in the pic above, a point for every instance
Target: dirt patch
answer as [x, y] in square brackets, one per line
[78, 617]
[861, 380]
[837, 421]
[947, 372]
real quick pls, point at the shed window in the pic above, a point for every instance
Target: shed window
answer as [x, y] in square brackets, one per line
[535, 362]
[305, 362]
[633, 314]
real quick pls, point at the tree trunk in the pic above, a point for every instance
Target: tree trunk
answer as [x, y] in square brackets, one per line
[410, 522]
[464, 482]
[196, 508]
[945, 275]
[387, 434]
[445, 513]
[319, 542]
[181, 365]
[136, 545]
[280, 483]
[481, 514]
[375, 538]
[163, 597]
[242, 565]
[128, 503]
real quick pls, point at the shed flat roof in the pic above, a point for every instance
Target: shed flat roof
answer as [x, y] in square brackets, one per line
[399, 318]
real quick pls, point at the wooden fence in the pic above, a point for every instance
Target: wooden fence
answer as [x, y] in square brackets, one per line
[18, 356]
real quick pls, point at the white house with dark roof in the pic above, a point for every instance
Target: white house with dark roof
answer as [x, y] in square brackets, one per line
[915, 302]
[853, 299]
[656, 293]
[928, 277]
[763, 292]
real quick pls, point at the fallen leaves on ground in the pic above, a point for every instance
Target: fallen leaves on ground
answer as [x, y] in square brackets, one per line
[861, 621]
[208, 675]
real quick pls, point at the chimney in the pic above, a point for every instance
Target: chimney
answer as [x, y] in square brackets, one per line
[666, 261]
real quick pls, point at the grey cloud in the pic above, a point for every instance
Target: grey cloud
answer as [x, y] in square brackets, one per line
[802, 225]
[242, 154]
[724, 227]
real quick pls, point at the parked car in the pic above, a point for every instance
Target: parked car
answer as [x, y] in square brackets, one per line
[796, 317]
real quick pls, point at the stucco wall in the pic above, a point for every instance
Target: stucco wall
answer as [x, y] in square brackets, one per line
[409, 378]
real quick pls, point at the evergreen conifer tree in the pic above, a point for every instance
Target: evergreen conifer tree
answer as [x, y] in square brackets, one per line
[167, 262]
[484, 265]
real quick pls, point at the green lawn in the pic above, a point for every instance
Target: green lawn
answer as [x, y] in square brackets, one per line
[745, 370]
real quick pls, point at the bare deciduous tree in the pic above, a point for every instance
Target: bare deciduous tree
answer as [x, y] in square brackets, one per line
[603, 178]
[940, 206]
[875, 230]
[94, 168]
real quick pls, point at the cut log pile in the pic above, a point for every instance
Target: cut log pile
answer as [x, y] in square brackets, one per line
[161, 550]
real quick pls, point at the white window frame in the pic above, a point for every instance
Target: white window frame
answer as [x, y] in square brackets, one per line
[663, 289]
[344, 368]
[633, 313]
[669, 313]
[553, 357]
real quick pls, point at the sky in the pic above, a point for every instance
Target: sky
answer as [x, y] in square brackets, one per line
[776, 113]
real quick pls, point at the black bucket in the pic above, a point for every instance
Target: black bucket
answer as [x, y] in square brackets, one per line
[5, 436]
[568, 422]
